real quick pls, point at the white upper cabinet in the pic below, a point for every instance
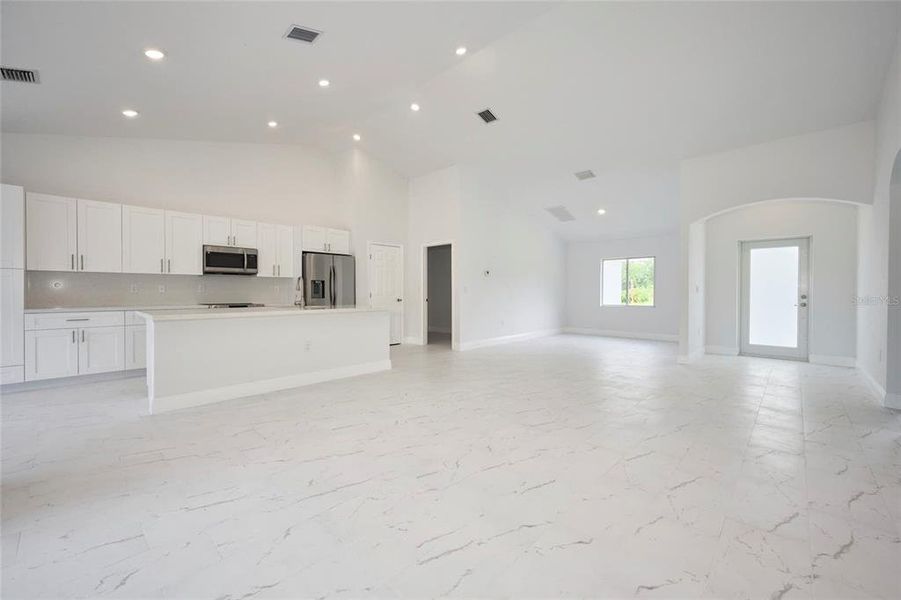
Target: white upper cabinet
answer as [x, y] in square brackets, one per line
[143, 240]
[244, 233]
[313, 238]
[337, 241]
[99, 236]
[267, 258]
[223, 231]
[51, 233]
[284, 250]
[217, 231]
[184, 243]
[12, 227]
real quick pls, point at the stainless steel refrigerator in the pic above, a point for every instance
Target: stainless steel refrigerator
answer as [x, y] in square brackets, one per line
[329, 280]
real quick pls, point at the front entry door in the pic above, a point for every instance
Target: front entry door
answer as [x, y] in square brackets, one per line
[775, 298]
[386, 284]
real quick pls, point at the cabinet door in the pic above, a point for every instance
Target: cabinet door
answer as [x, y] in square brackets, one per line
[143, 240]
[12, 227]
[337, 241]
[313, 238]
[284, 249]
[51, 233]
[244, 233]
[99, 236]
[267, 260]
[101, 349]
[51, 353]
[216, 231]
[135, 347]
[12, 317]
[184, 243]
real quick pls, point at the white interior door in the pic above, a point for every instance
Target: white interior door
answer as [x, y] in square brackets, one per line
[386, 284]
[775, 298]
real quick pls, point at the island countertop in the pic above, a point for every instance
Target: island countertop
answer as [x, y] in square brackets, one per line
[195, 314]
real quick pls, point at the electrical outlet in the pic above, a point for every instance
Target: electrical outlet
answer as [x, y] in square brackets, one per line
[308, 345]
[133, 288]
[200, 287]
[162, 289]
[275, 288]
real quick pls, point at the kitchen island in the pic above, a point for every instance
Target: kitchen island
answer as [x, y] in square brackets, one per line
[199, 356]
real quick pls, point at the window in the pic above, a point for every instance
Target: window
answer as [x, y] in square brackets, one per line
[627, 282]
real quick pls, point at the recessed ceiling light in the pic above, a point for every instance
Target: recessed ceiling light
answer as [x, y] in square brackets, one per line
[131, 114]
[324, 82]
[357, 137]
[461, 50]
[414, 107]
[154, 54]
[272, 124]
[601, 211]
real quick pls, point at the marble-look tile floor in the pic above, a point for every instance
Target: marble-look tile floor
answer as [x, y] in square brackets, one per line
[563, 467]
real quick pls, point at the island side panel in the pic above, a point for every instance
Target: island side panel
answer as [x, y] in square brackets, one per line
[201, 361]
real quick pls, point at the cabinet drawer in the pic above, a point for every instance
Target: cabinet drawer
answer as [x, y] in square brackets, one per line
[68, 320]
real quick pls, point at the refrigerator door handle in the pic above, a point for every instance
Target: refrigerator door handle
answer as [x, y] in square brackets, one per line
[334, 281]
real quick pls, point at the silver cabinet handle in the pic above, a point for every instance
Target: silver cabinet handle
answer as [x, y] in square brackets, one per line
[273, 270]
[82, 336]
[72, 261]
[84, 319]
[82, 262]
[73, 336]
[279, 270]
[169, 262]
[161, 266]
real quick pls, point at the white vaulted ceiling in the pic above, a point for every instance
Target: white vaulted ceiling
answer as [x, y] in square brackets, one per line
[624, 89]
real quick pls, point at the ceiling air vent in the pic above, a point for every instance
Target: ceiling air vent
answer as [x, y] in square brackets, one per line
[561, 213]
[487, 115]
[22, 75]
[302, 34]
[583, 175]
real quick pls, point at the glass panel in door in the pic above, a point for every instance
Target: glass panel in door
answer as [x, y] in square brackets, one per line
[775, 298]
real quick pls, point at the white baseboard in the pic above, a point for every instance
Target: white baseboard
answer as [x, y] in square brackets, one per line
[835, 361]
[722, 350]
[633, 335]
[874, 385]
[506, 339]
[240, 390]
[892, 401]
[685, 359]
[439, 329]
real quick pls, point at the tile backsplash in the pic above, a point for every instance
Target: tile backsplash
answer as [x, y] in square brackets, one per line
[50, 289]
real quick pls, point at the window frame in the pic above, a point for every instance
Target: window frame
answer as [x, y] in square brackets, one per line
[626, 304]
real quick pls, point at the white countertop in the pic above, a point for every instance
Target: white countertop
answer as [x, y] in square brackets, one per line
[113, 308]
[194, 314]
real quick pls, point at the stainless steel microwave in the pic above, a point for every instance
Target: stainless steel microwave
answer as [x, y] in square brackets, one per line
[229, 260]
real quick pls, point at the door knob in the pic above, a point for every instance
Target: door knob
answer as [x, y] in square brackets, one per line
[803, 304]
[400, 300]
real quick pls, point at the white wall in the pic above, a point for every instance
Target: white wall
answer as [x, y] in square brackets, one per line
[508, 268]
[878, 236]
[264, 182]
[584, 314]
[832, 227]
[439, 289]
[511, 266]
[434, 217]
[834, 164]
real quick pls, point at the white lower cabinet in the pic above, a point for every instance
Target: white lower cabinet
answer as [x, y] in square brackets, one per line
[74, 343]
[101, 349]
[135, 347]
[51, 353]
